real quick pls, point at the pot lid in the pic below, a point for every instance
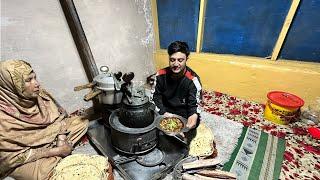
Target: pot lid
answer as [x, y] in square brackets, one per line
[105, 81]
[285, 99]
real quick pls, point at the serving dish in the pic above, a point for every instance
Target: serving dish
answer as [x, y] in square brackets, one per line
[175, 122]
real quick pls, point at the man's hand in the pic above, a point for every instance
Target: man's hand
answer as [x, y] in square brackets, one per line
[167, 114]
[192, 121]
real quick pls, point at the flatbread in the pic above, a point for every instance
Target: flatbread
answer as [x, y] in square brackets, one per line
[203, 143]
[81, 166]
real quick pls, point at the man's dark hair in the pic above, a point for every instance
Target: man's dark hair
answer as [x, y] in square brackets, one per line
[178, 46]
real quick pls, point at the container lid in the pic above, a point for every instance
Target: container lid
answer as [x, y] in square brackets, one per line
[105, 82]
[285, 99]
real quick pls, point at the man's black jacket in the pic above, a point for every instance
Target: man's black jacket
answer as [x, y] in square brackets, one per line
[179, 96]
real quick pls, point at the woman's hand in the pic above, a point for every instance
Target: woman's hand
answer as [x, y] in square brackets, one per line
[63, 150]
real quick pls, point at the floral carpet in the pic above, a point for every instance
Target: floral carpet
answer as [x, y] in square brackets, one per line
[302, 153]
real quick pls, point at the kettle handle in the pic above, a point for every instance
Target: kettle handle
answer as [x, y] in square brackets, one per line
[89, 85]
[92, 94]
[104, 69]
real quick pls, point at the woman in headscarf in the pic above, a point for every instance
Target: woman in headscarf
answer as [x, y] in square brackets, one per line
[35, 132]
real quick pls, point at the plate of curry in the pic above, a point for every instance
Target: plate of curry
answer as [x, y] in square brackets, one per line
[171, 125]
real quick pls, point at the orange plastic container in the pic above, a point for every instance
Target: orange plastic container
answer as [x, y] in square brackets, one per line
[282, 107]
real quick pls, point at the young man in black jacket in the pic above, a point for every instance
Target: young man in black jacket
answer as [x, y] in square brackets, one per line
[178, 88]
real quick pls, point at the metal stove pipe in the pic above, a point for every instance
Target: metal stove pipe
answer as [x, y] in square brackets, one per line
[79, 38]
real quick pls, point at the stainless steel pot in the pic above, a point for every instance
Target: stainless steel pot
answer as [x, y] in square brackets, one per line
[106, 86]
[110, 97]
[109, 86]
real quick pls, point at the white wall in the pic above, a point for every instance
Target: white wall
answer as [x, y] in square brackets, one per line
[36, 31]
[119, 33]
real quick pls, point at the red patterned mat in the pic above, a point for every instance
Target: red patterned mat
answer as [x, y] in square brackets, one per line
[302, 155]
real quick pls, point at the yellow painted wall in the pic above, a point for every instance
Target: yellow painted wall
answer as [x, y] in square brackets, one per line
[251, 78]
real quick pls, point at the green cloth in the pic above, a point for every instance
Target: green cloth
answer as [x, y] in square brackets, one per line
[258, 155]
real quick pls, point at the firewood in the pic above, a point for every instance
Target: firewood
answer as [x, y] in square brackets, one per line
[200, 177]
[217, 174]
[200, 163]
[186, 176]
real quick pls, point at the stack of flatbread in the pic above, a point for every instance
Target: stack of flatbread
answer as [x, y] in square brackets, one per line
[81, 166]
[202, 144]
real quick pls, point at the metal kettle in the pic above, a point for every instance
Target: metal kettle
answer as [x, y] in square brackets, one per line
[136, 111]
